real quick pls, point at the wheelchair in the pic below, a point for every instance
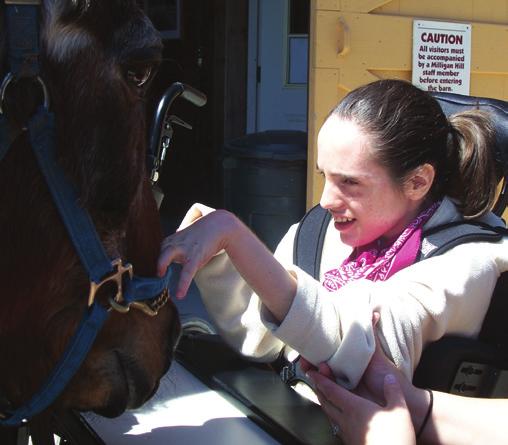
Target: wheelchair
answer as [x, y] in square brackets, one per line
[463, 366]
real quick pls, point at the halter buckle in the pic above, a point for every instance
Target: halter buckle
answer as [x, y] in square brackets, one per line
[115, 277]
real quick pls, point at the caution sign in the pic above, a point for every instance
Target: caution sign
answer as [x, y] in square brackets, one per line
[442, 56]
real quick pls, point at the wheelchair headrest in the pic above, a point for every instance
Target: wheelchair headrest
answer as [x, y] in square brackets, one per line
[498, 109]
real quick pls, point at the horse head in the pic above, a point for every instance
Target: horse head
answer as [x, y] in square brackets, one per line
[97, 58]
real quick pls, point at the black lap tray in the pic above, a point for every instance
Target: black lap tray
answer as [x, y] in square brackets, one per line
[257, 390]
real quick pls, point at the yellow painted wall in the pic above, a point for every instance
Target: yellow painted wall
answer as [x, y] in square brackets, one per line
[353, 42]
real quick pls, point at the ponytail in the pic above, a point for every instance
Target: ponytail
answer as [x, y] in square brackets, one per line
[472, 179]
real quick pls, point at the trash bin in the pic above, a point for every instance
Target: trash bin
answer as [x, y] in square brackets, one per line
[265, 181]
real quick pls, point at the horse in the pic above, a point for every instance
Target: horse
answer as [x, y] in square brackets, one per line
[97, 58]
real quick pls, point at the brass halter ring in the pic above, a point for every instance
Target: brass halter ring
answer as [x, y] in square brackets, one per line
[7, 81]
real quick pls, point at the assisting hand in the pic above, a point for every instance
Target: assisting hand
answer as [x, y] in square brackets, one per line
[361, 421]
[376, 411]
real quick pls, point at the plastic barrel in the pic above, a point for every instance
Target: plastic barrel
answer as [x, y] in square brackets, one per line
[265, 181]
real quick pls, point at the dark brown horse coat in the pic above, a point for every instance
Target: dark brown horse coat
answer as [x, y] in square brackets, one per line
[96, 55]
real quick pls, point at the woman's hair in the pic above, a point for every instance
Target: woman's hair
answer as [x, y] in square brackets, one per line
[407, 128]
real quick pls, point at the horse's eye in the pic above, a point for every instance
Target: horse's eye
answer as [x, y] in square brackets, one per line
[139, 75]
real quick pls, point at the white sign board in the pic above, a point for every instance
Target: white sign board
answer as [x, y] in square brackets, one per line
[442, 56]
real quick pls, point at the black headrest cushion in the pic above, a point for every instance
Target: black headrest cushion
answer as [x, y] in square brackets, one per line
[498, 110]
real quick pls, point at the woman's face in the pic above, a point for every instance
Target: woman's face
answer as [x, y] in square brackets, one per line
[364, 201]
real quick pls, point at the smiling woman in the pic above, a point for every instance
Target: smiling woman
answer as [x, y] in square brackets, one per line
[394, 166]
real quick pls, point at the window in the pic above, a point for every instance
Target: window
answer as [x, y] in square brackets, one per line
[298, 42]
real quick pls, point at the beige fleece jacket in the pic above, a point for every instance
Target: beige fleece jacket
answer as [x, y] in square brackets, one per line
[446, 294]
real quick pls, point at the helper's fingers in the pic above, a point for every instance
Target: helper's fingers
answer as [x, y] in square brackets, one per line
[375, 318]
[325, 370]
[334, 394]
[334, 413]
[305, 365]
[393, 393]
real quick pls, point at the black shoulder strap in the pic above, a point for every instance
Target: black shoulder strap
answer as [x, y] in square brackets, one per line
[494, 329]
[309, 239]
[439, 239]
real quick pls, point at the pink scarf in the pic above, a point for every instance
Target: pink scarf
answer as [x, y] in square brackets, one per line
[378, 265]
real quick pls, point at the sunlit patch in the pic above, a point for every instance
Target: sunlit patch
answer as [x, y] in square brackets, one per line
[182, 403]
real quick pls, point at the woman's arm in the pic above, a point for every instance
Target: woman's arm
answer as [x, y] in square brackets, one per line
[195, 245]
[449, 293]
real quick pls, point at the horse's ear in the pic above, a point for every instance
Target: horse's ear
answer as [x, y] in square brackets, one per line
[74, 8]
[80, 6]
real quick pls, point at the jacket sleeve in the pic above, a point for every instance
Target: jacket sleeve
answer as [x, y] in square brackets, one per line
[449, 293]
[236, 309]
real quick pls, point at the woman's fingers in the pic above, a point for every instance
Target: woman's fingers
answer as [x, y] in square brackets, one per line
[195, 245]
[189, 261]
[170, 254]
[187, 273]
[206, 234]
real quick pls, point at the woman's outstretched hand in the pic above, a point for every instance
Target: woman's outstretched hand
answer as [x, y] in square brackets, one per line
[202, 234]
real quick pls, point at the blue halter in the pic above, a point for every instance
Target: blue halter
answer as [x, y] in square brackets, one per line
[146, 294]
